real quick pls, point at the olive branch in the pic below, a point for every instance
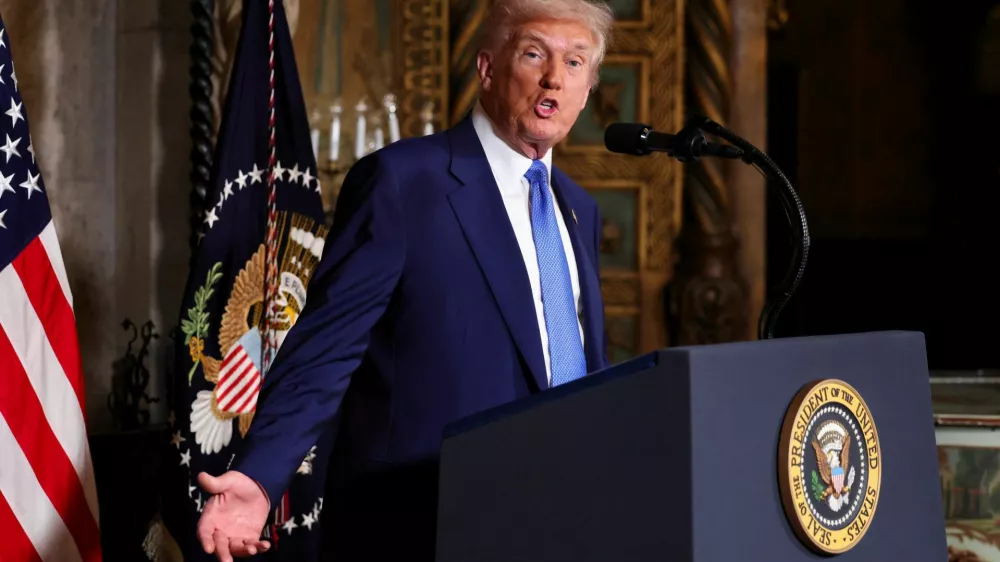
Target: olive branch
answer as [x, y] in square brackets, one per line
[195, 327]
[817, 487]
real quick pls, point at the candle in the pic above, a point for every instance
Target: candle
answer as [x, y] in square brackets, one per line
[379, 138]
[359, 130]
[336, 110]
[393, 128]
[390, 108]
[427, 116]
[314, 133]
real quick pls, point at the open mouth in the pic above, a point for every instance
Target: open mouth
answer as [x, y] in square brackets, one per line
[547, 108]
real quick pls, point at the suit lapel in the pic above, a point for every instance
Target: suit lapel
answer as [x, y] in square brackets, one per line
[484, 221]
[590, 290]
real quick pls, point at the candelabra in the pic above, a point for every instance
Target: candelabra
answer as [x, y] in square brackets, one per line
[336, 150]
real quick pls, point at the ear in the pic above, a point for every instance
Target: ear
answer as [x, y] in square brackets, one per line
[484, 66]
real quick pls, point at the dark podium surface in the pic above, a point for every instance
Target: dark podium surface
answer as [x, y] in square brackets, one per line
[674, 456]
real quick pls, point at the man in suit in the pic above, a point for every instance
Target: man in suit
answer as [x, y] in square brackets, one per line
[461, 273]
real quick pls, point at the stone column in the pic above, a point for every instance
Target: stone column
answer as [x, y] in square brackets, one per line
[64, 56]
[720, 285]
[748, 118]
[104, 84]
[153, 178]
[707, 297]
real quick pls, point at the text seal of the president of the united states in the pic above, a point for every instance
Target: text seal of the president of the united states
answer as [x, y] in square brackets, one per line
[830, 466]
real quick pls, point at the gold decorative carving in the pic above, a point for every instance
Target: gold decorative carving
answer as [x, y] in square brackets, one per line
[708, 296]
[777, 14]
[465, 18]
[666, 110]
[642, 22]
[423, 64]
[709, 91]
[642, 63]
[611, 236]
[607, 101]
[621, 291]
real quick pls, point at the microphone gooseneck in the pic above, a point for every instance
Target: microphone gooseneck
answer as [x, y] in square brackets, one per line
[687, 146]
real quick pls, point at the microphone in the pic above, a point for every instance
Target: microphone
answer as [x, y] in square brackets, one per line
[639, 139]
[687, 146]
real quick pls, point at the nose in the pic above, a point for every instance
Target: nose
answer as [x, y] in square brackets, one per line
[552, 79]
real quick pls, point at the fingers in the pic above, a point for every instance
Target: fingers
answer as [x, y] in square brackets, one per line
[217, 541]
[205, 531]
[206, 540]
[222, 546]
[247, 547]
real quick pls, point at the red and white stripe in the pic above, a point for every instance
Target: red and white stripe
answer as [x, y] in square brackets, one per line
[48, 499]
[239, 382]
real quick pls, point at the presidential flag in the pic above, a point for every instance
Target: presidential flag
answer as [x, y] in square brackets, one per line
[48, 500]
[261, 238]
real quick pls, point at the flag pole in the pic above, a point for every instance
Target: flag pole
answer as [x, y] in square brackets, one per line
[271, 240]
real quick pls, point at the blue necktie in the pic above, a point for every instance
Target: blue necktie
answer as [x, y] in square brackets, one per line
[566, 357]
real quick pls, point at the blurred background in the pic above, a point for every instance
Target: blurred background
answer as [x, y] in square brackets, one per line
[882, 113]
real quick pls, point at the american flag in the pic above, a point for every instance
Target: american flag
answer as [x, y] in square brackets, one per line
[48, 500]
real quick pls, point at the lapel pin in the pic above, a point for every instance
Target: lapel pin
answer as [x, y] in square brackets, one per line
[576, 222]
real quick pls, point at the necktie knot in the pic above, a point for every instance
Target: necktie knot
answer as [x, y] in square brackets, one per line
[537, 174]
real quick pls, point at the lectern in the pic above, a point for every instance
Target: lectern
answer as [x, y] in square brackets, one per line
[775, 450]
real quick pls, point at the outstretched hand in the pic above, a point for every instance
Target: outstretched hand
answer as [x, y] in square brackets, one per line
[233, 517]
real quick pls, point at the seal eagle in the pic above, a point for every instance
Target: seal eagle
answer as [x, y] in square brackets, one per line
[827, 462]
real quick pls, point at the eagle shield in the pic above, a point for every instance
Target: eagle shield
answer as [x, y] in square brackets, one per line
[838, 478]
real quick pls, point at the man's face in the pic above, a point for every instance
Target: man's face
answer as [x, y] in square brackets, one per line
[535, 86]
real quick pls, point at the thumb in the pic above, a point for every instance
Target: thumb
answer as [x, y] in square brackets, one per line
[214, 485]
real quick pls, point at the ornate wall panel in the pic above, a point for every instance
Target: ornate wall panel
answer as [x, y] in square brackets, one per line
[423, 63]
[641, 80]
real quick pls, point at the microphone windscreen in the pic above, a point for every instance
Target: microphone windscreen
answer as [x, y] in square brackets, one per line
[626, 138]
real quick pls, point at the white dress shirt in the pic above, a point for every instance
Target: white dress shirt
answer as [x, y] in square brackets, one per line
[509, 167]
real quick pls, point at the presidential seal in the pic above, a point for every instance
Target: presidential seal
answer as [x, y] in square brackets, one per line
[830, 466]
[237, 377]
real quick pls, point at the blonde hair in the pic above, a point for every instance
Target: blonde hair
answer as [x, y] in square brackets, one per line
[505, 16]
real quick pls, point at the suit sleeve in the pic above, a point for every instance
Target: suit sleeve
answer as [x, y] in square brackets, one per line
[597, 257]
[350, 290]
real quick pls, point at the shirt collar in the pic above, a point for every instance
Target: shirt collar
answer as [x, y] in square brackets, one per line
[502, 158]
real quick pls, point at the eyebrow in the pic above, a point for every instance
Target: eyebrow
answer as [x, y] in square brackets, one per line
[536, 36]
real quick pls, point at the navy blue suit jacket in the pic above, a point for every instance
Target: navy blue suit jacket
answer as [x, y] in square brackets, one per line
[420, 313]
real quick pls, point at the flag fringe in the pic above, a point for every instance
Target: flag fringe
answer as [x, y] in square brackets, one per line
[159, 545]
